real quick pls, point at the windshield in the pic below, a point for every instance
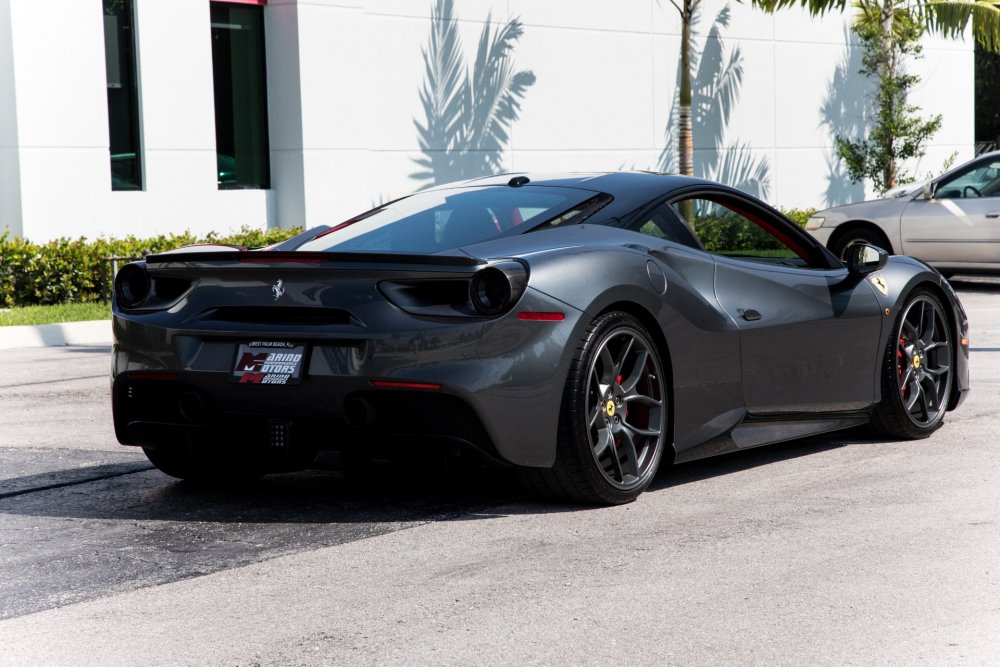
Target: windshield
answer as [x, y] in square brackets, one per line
[439, 220]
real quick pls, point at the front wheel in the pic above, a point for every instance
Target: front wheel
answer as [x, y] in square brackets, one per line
[613, 420]
[916, 370]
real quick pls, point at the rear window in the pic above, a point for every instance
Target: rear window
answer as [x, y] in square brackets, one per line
[439, 220]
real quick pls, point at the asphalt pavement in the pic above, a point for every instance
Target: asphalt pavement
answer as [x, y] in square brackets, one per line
[844, 549]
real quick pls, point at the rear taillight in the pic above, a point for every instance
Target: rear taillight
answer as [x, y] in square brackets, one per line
[495, 289]
[132, 285]
[137, 288]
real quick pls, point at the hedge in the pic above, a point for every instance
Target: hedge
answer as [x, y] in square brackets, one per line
[729, 232]
[68, 270]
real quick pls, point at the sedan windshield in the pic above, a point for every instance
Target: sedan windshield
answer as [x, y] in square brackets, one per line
[438, 220]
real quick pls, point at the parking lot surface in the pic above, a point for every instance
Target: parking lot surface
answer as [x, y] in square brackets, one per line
[844, 549]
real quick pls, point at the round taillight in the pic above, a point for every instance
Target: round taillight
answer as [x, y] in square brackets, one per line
[495, 289]
[132, 285]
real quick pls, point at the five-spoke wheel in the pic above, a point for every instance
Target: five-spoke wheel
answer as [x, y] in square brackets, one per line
[624, 404]
[917, 371]
[613, 420]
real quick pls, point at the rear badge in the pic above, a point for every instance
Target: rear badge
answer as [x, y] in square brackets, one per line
[278, 288]
[269, 362]
[880, 284]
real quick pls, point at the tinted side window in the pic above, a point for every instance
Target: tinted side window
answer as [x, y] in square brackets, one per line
[726, 228]
[662, 223]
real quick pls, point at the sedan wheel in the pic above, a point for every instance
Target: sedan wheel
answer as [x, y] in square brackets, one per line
[613, 421]
[840, 246]
[917, 370]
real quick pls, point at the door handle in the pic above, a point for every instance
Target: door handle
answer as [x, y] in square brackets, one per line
[993, 214]
[749, 314]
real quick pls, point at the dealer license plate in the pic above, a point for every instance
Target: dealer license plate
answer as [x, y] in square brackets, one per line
[269, 362]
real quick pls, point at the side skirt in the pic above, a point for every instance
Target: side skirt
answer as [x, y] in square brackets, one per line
[756, 431]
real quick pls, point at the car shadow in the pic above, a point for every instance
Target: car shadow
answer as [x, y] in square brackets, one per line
[136, 493]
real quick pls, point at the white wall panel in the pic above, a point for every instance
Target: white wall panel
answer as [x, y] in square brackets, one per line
[666, 52]
[745, 24]
[583, 160]
[175, 75]
[634, 16]
[804, 88]
[335, 107]
[59, 73]
[593, 90]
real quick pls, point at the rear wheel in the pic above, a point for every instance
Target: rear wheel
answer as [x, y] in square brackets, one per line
[613, 420]
[916, 370]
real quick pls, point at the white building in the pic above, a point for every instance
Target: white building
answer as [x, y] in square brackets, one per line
[149, 116]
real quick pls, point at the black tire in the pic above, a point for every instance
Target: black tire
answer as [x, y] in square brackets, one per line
[842, 242]
[613, 420]
[185, 463]
[917, 370]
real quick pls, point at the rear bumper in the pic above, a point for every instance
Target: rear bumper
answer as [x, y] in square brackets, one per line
[493, 384]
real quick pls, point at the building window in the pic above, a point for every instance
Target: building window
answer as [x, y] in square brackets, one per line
[123, 96]
[987, 99]
[240, 96]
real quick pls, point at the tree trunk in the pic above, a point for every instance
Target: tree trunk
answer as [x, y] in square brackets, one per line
[686, 139]
[888, 66]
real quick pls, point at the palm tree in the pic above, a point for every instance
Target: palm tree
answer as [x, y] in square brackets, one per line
[947, 17]
[685, 138]
[890, 27]
[467, 118]
[715, 80]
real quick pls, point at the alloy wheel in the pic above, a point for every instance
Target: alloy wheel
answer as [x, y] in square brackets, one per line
[625, 407]
[923, 361]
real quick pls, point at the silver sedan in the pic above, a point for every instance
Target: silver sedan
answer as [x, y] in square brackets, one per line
[951, 222]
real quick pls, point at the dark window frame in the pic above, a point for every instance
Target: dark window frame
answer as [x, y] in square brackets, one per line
[239, 74]
[122, 80]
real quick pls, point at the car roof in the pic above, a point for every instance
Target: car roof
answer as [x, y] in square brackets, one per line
[617, 183]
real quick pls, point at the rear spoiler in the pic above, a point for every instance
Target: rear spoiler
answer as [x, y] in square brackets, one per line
[234, 255]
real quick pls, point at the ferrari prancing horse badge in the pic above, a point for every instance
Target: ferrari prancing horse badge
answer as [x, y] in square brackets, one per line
[880, 284]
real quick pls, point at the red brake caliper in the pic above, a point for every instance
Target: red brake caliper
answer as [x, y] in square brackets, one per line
[899, 364]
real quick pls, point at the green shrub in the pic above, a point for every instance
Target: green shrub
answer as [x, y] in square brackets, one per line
[721, 231]
[799, 215]
[78, 271]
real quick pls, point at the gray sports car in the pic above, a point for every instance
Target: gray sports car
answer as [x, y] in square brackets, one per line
[582, 328]
[951, 222]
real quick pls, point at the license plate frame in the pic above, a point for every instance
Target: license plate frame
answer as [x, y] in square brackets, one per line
[269, 362]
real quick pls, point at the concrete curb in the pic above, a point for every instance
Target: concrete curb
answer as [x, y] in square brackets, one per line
[93, 333]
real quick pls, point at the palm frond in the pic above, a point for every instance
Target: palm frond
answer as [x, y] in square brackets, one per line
[951, 17]
[445, 79]
[738, 168]
[717, 86]
[814, 7]
[496, 93]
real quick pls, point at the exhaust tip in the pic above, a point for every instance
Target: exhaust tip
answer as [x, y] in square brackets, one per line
[359, 412]
[191, 406]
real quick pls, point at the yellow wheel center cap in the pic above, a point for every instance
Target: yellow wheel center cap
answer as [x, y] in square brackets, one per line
[609, 407]
[916, 361]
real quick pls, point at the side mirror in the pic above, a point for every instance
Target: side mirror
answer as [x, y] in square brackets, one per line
[929, 190]
[862, 259]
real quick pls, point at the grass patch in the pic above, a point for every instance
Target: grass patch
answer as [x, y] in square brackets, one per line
[66, 312]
